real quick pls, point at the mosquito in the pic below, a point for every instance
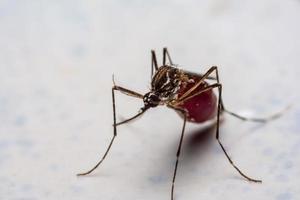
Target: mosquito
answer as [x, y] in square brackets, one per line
[187, 93]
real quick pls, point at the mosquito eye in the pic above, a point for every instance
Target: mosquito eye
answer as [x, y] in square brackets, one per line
[154, 98]
[151, 99]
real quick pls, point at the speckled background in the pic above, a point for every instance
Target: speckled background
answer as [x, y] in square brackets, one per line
[56, 63]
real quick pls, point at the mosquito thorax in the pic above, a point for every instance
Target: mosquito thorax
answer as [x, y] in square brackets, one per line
[151, 99]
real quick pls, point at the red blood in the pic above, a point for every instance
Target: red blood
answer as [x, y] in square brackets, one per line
[199, 108]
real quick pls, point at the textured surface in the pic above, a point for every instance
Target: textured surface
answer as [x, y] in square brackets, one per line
[56, 63]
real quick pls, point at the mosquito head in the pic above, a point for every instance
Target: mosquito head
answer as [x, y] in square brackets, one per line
[151, 99]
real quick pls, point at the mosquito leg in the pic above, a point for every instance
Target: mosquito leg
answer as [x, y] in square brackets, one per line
[261, 120]
[215, 68]
[166, 54]
[127, 92]
[254, 119]
[154, 65]
[219, 86]
[187, 93]
[217, 137]
[112, 140]
[209, 77]
[133, 94]
[178, 150]
[209, 87]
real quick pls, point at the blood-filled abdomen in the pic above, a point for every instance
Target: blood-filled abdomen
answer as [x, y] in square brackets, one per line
[199, 108]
